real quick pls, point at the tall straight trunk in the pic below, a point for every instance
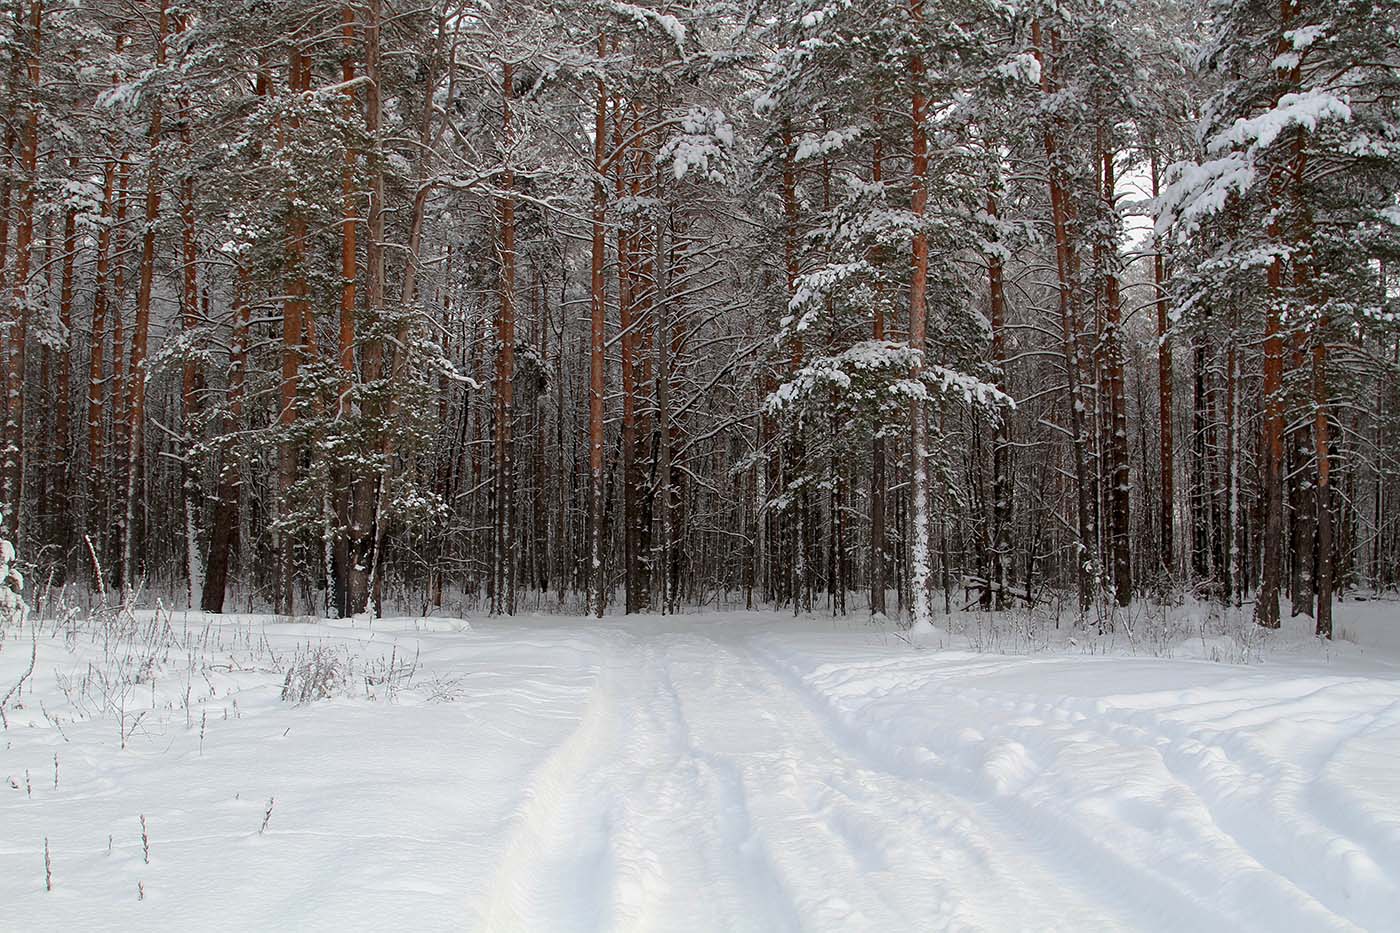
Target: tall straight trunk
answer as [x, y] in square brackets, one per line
[664, 515]
[7, 325]
[224, 531]
[1306, 501]
[540, 315]
[97, 360]
[390, 419]
[596, 581]
[294, 312]
[878, 490]
[120, 384]
[1001, 440]
[1266, 604]
[1323, 492]
[12, 470]
[63, 422]
[645, 259]
[1231, 568]
[503, 596]
[1302, 496]
[626, 287]
[794, 457]
[1119, 516]
[1166, 455]
[919, 565]
[364, 489]
[345, 335]
[136, 387]
[1065, 264]
[190, 377]
[1201, 458]
[1266, 608]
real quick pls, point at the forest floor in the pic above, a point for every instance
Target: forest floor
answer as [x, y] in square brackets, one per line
[702, 772]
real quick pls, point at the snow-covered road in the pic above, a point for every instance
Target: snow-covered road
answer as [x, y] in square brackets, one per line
[713, 773]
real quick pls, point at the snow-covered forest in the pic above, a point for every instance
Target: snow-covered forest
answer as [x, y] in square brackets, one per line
[312, 305]
[834, 465]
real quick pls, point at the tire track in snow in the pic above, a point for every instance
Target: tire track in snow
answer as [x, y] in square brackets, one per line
[1253, 801]
[534, 852]
[1081, 854]
[626, 821]
[911, 856]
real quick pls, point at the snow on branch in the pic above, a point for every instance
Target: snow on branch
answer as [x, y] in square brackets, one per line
[1308, 110]
[1196, 191]
[812, 145]
[817, 285]
[673, 28]
[703, 145]
[885, 363]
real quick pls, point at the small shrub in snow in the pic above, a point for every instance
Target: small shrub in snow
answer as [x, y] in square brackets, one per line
[385, 678]
[318, 672]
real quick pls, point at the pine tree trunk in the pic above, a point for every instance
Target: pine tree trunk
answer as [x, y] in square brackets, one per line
[625, 295]
[1066, 264]
[63, 422]
[596, 579]
[1323, 493]
[136, 387]
[1234, 583]
[295, 310]
[12, 470]
[1119, 514]
[224, 532]
[96, 487]
[364, 488]
[120, 384]
[1266, 609]
[1166, 455]
[345, 332]
[191, 376]
[794, 457]
[8, 327]
[1001, 440]
[878, 489]
[503, 592]
[920, 554]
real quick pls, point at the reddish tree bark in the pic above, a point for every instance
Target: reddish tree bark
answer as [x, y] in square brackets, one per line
[920, 552]
[12, 470]
[294, 311]
[136, 400]
[63, 421]
[345, 343]
[1119, 516]
[1166, 455]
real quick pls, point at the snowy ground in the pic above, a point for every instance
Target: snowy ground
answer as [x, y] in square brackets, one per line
[702, 773]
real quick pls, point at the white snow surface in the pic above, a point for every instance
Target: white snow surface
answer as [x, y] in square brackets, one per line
[702, 772]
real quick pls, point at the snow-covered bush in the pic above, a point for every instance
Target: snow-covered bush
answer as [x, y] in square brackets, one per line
[11, 583]
[318, 673]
